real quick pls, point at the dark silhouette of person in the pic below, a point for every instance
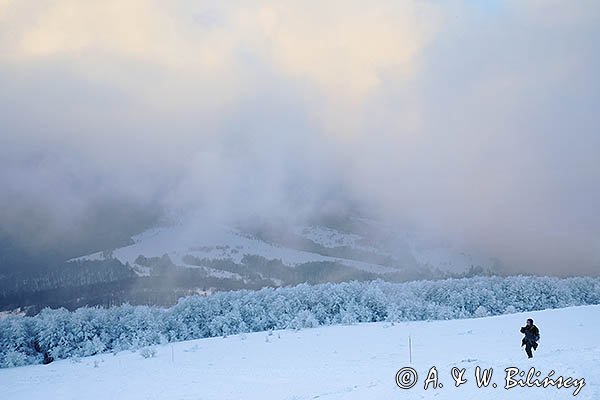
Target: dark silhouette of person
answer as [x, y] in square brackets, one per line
[47, 357]
[532, 335]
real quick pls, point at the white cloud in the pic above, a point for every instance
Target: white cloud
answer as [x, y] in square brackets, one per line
[456, 117]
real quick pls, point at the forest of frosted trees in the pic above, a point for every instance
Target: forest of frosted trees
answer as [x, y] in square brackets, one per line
[59, 333]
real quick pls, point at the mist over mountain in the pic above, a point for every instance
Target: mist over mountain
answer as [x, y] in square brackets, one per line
[472, 126]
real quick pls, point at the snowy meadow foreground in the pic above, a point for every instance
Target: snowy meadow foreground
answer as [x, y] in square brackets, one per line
[357, 361]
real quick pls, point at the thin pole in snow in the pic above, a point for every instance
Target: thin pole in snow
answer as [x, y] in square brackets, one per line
[409, 349]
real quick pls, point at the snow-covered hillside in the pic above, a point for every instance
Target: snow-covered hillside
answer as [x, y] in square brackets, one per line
[336, 362]
[367, 245]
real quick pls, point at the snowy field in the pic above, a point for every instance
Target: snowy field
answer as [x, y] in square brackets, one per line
[216, 241]
[336, 362]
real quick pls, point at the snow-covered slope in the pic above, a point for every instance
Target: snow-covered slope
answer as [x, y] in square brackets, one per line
[367, 245]
[336, 362]
[216, 243]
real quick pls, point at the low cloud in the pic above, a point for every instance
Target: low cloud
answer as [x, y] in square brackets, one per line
[474, 123]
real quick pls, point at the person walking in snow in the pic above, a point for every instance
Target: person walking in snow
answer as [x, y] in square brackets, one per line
[532, 335]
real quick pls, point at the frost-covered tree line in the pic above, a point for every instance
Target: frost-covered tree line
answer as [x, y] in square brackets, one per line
[59, 333]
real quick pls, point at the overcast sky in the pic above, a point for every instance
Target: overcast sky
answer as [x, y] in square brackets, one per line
[470, 120]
